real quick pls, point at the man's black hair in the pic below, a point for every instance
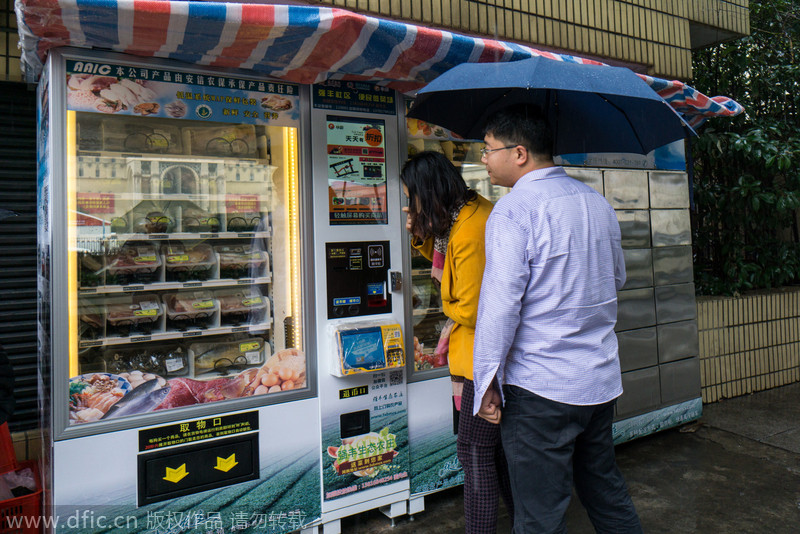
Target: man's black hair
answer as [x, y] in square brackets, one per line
[522, 124]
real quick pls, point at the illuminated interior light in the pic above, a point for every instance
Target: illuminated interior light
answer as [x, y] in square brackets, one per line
[72, 250]
[290, 157]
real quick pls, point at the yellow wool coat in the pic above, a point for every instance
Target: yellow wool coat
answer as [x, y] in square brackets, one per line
[461, 279]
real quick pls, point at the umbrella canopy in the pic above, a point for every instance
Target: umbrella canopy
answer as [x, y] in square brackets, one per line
[590, 108]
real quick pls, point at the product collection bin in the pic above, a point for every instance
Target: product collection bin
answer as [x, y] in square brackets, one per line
[18, 515]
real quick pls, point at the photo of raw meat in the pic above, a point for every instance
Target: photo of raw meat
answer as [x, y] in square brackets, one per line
[176, 109]
[92, 395]
[146, 108]
[96, 396]
[276, 103]
[108, 94]
[284, 371]
[81, 99]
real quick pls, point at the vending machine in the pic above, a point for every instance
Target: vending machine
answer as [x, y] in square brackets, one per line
[178, 370]
[359, 240]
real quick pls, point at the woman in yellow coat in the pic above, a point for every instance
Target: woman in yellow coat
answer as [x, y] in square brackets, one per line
[447, 221]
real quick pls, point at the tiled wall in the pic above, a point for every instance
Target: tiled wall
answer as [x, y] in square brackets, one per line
[727, 14]
[656, 318]
[748, 343]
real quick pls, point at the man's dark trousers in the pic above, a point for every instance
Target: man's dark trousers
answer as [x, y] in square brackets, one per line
[549, 445]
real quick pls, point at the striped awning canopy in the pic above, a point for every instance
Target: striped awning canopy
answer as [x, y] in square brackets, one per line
[302, 44]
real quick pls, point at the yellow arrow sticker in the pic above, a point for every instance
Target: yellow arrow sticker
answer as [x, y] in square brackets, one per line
[176, 475]
[226, 464]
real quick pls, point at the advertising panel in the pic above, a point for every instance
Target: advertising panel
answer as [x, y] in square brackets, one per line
[367, 446]
[356, 170]
[157, 92]
[354, 96]
[431, 432]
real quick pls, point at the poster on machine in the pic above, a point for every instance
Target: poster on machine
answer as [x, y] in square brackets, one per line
[366, 446]
[152, 92]
[356, 170]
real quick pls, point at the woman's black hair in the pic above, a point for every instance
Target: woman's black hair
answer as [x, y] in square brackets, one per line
[438, 187]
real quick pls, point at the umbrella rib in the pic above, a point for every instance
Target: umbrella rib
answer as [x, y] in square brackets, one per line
[633, 129]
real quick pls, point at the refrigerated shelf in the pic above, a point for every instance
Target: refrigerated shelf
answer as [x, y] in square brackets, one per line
[164, 336]
[262, 234]
[159, 286]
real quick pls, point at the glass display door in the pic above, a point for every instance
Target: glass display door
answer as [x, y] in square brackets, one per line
[183, 240]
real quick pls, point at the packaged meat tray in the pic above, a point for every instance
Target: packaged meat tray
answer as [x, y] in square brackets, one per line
[147, 362]
[196, 220]
[241, 261]
[189, 263]
[133, 315]
[190, 309]
[91, 322]
[153, 222]
[227, 358]
[91, 269]
[138, 135]
[235, 140]
[245, 222]
[242, 306]
[134, 264]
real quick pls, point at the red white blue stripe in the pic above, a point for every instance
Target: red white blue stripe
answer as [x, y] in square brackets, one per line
[302, 44]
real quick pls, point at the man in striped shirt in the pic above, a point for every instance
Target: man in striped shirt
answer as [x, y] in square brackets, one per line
[546, 354]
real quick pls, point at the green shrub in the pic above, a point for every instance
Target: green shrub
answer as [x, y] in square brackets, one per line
[747, 169]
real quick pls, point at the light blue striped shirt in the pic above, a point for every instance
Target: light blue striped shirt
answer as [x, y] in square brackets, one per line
[548, 301]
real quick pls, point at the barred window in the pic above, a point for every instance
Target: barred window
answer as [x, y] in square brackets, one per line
[9, 39]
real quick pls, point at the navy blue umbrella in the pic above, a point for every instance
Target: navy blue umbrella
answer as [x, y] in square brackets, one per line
[590, 108]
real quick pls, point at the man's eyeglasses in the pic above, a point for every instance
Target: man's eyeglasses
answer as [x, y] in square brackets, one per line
[486, 151]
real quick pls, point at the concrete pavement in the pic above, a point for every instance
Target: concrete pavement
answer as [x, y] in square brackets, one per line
[736, 470]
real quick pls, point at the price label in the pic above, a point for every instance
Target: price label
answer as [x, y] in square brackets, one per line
[158, 141]
[249, 346]
[203, 304]
[144, 259]
[178, 258]
[174, 364]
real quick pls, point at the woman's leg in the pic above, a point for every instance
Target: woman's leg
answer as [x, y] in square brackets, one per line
[481, 457]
